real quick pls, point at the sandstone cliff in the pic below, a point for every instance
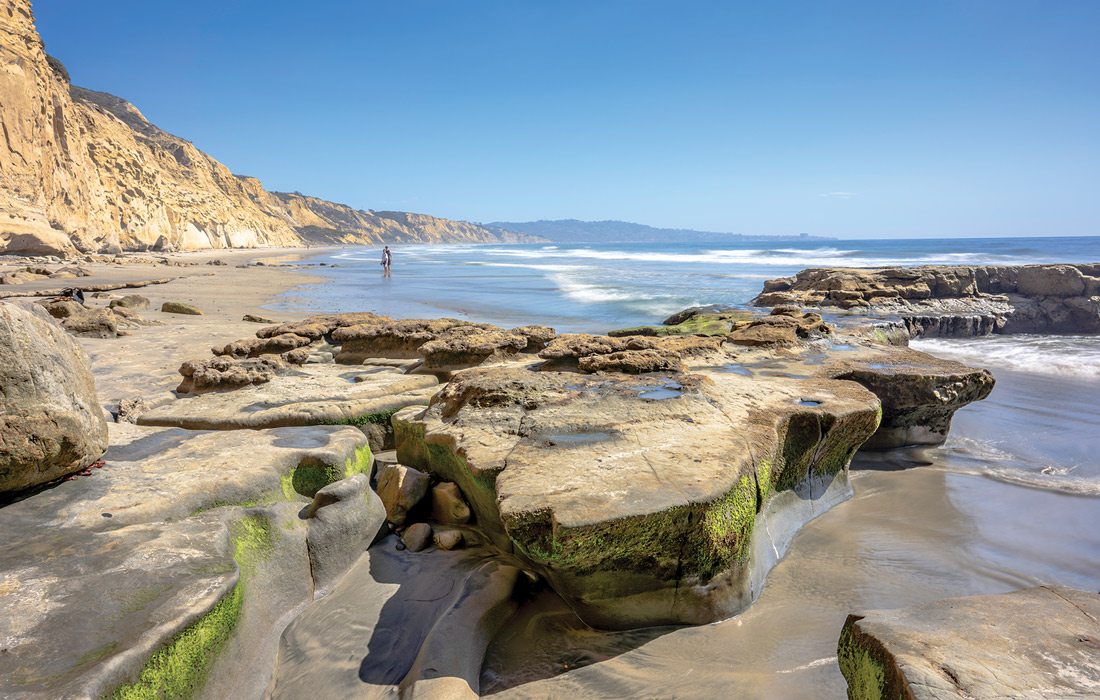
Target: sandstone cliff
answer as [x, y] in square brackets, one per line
[84, 170]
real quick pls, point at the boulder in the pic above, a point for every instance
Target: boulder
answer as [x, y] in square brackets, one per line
[628, 354]
[417, 537]
[95, 323]
[176, 307]
[779, 329]
[448, 539]
[1050, 281]
[317, 327]
[130, 301]
[19, 277]
[254, 347]
[1040, 642]
[50, 420]
[448, 505]
[226, 374]
[63, 308]
[401, 488]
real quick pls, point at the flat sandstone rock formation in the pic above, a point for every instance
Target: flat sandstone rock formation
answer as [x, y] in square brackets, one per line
[317, 394]
[181, 533]
[954, 300]
[1041, 642]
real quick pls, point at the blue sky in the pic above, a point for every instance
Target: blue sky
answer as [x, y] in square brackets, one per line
[851, 119]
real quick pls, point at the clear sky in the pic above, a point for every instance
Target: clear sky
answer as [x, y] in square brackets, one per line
[851, 119]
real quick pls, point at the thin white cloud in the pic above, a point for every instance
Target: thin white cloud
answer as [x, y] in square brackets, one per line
[838, 195]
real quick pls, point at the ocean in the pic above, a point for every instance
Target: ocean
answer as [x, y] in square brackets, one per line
[1011, 500]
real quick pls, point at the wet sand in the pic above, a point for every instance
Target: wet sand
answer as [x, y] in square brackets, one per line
[1002, 506]
[939, 528]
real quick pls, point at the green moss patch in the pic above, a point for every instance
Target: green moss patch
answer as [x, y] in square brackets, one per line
[703, 324]
[379, 418]
[696, 540]
[864, 671]
[179, 669]
[310, 476]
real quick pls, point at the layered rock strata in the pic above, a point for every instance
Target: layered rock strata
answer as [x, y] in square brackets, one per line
[636, 498]
[1041, 642]
[84, 170]
[954, 301]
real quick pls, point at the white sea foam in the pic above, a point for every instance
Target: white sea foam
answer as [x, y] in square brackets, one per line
[591, 293]
[1066, 356]
[992, 462]
[778, 257]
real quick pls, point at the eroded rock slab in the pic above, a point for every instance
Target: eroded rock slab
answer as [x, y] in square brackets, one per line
[167, 539]
[954, 300]
[309, 395]
[1041, 642]
[636, 497]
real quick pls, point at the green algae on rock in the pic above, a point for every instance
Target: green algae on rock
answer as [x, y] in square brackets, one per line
[1036, 643]
[638, 510]
[179, 669]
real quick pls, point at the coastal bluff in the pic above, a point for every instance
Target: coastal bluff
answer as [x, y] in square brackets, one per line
[85, 171]
[953, 301]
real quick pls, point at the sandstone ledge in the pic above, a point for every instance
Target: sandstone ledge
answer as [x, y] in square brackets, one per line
[954, 300]
[1037, 643]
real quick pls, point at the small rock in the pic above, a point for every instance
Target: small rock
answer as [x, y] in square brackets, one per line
[130, 301]
[417, 536]
[256, 319]
[448, 539]
[400, 489]
[448, 506]
[175, 307]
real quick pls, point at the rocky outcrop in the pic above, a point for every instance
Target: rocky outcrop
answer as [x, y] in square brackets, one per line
[84, 170]
[177, 559]
[954, 301]
[1037, 643]
[50, 421]
[637, 497]
[919, 393]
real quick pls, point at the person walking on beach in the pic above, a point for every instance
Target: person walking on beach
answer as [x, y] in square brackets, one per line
[387, 259]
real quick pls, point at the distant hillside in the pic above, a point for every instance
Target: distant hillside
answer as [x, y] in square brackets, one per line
[575, 231]
[85, 171]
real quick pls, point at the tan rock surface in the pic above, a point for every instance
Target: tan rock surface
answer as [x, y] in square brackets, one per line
[307, 395]
[1040, 642]
[85, 170]
[50, 420]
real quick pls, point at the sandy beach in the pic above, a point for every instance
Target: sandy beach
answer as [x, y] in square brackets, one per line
[144, 363]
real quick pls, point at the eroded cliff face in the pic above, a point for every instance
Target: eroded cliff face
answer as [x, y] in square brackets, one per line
[84, 170]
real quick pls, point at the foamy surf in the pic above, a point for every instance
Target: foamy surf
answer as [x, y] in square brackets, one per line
[982, 458]
[1064, 356]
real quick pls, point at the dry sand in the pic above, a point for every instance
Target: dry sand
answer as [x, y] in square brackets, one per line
[146, 362]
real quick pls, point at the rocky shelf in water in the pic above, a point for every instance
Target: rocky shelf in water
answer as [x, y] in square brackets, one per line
[649, 478]
[953, 301]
